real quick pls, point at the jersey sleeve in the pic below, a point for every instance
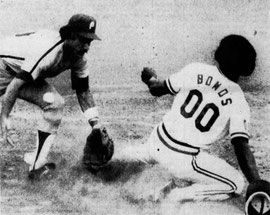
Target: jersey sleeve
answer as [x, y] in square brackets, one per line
[240, 117]
[174, 82]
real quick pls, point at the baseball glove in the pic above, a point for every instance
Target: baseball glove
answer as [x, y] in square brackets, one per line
[98, 150]
[147, 74]
[258, 198]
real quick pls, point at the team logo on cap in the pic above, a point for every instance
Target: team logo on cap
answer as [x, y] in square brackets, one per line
[92, 25]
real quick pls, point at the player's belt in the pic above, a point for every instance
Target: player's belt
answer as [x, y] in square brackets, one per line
[174, 144]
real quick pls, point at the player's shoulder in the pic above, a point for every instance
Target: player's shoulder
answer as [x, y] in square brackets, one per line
[32, 34]
[43, 40]
[234, 87]
[238, 96]
[193, 69]
[45, 35]
[198, 67]
[37, 39]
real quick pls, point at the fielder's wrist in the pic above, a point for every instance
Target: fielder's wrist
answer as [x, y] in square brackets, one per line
[94, 123]
[91, 114]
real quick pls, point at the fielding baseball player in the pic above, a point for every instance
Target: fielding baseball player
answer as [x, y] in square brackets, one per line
[208, 105]
[26, 60]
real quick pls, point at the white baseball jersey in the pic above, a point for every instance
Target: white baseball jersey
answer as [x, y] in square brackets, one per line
[207, 106]
[39, 53]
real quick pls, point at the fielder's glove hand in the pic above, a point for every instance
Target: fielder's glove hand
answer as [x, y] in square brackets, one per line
[258, 198]
[147, 74]
[98, 150]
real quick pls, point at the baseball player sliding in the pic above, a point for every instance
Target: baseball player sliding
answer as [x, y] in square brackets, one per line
[26, 60]
[208, 105]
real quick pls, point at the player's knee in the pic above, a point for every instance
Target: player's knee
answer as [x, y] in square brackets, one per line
[240, 183]
[53, 111]
[60, 103]
[236, 181]
[53, 102]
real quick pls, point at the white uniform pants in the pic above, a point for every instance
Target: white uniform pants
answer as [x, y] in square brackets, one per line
[214, 175]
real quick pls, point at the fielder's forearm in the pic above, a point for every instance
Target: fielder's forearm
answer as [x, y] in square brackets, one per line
[246, 159]
[88, 106]
[158, 87]
[85, 99]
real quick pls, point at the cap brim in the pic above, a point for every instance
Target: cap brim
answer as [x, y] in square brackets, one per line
[89, 35]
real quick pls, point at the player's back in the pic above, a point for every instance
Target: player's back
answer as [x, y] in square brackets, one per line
[15, 49]
[20, 45]
[206, 107]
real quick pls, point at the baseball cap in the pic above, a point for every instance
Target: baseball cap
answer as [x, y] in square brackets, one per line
[83, 25]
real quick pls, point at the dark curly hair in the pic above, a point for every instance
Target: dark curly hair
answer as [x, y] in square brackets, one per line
[235, 56]
[65, 33]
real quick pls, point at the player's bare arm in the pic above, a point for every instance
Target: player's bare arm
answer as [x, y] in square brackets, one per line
[245, 158]
[99, 147]
[157, 87]
[87, 104]
[8, 101]
[85, 98]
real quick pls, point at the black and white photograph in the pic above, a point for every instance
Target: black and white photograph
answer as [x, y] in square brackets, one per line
[135, 107]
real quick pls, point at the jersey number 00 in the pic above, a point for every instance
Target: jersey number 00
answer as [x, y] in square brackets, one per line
[206, 108]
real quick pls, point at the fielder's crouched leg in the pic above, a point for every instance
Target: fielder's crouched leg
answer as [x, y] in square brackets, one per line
[52, 114]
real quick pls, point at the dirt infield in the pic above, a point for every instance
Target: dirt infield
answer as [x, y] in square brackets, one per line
[162, 34]
[122, 187]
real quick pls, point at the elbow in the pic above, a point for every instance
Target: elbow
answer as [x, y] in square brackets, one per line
[156, 91]
[158, 88]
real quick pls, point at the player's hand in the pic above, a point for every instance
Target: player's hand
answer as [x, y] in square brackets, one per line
[5, 128]
[147, 74]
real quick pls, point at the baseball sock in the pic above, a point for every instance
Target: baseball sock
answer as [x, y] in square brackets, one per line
[44, 142]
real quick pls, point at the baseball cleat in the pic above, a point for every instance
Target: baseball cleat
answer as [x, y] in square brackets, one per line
[258, 204]
[41, 172]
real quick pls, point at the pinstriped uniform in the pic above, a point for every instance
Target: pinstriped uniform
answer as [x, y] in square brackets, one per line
[207, 107]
